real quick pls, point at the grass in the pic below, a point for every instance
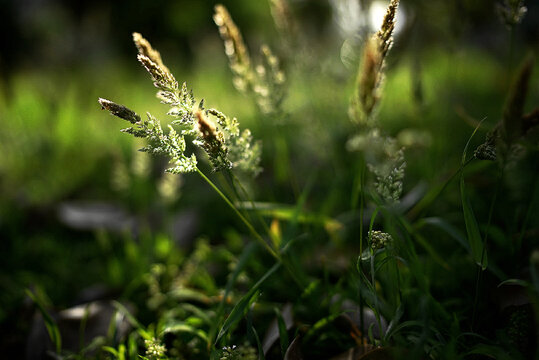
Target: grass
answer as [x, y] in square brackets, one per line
[287, 256]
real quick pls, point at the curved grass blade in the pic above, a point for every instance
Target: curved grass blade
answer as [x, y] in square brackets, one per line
[50, 323]
[243, 304]
[185, 329]
[283, 332]
[242, 262]
[472, 228]
[294, 350]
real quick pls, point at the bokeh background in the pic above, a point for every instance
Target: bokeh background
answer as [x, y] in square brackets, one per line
[69, 178]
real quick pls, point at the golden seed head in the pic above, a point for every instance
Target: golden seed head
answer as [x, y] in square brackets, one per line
[385, 33]
[162, 77]
[234, 45]
[119, 110]
[205, 125]
[282, 15]
[145, 48]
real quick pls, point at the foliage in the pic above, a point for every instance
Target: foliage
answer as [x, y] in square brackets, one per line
[354, 241]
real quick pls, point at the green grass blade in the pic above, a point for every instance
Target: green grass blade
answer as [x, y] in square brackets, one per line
[394, 323]
[283, 333]
[472, 228]
[293, 215]
[111, 351]
[50, 323]
[241, 307]
[258, 345]
[242, 262]
[185, 329]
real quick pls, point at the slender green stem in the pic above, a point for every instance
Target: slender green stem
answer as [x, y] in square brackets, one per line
[375, 293]
[373, 279]
[275, 254]
[357, 192]
[485, 240]
[236, 181]
[242, 218]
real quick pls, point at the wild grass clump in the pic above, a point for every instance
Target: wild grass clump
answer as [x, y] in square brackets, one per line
[348, 256]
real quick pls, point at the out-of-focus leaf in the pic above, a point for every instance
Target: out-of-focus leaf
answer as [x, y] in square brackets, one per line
[186, 329]
[200, 314]
[514, 108]
[320, 324]
[291, 214]
[186, 294]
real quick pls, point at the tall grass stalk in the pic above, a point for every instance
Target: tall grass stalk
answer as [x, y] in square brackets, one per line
[358, 192]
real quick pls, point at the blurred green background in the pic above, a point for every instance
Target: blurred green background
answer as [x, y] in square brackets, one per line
[68, 177]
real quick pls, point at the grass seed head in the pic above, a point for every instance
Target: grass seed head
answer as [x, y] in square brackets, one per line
[379, 239]
[162, 78]
[155, 350]
[371, 71]
[119, 110]
[145, 48]
[512, 121]
[385, 34]
[487, 150]
[511, 12]
[235, 48]
[282, 16]
[213, 142]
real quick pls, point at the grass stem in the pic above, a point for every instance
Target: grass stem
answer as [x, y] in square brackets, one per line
[242, 218]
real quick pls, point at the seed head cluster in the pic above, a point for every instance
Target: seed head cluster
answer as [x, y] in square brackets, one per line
[216, 138]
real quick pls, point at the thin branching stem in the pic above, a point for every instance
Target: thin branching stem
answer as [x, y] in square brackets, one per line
[242, 218]
[236, 182]
[281, 259]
